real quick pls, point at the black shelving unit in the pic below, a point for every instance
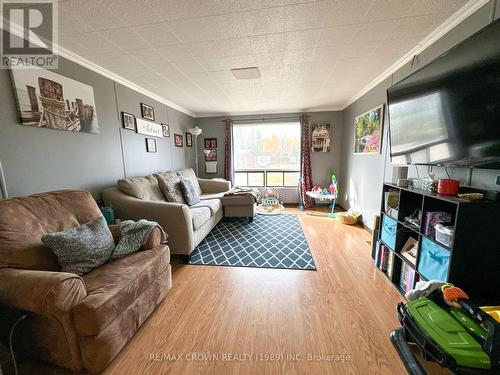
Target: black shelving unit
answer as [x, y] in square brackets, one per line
[473, 257]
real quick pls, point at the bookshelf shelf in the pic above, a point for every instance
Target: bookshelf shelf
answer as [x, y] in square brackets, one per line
[473, 257]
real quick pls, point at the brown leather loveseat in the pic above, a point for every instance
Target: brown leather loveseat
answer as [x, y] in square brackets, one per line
[74, 322]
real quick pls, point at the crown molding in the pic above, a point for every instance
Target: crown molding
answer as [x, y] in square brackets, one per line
[459, 16]
[71, 56]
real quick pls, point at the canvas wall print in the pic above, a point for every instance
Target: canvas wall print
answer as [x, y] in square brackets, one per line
[149, 128]
[368, 129]
[128, 121]
[178, 140]
[49, 100]
[147, 112]
[210, 155]
[321, 137]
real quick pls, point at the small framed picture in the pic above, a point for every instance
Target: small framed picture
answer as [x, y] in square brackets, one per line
[210, 142]
[178, 140]
[210, 155]
[151, 145]
[148, 112]
[189, 140]
[211, 167]
[128, 121]
[165, 130]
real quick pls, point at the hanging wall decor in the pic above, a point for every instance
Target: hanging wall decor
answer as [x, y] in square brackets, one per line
[165, 130]
[149, 128]
[321, 137]
[147, 112]
[151, 145]
[178, 140]
[49, 100]
[368, 129]
[189, 140]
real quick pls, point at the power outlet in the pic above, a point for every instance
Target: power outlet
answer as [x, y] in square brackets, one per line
[498, 180]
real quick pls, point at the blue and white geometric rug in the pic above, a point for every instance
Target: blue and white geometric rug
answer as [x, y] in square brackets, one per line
[269, 241]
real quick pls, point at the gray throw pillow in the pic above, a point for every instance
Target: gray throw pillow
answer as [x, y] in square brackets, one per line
[190, 195]
[170, 186]
[80, 250]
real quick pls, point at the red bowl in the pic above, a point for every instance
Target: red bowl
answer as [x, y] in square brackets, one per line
[448, 186]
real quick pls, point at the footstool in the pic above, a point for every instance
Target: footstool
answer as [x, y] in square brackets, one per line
[239, 206]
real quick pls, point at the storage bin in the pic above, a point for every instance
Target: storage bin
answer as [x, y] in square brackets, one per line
[444, 234]
[388, 231]
[434, 261]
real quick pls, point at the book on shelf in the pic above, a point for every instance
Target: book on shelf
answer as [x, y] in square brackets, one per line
[408, 278]
[390, 264]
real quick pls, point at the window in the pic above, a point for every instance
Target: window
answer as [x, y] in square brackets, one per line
[267, 154]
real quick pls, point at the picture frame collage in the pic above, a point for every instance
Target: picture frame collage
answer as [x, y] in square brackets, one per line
[210, 151]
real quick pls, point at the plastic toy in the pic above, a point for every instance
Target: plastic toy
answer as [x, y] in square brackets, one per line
[270, 203]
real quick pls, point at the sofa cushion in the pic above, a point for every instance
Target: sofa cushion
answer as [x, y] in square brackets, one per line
[190, 175]
[213, 204]
[23, 222]
[170, 186]
[199, 216]
[114, 286]
[212, 196]
[146, 188]
[190, 195]
[81, 249]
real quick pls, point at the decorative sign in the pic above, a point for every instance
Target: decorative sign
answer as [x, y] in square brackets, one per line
[149, 128]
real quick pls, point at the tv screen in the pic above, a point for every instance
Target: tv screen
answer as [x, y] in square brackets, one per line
[448, 112]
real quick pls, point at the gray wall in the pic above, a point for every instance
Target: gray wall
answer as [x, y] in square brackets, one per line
[363, 175]
[37, 160]
[322, 163]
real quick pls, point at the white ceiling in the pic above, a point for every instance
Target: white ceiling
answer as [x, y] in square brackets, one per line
[312, 55]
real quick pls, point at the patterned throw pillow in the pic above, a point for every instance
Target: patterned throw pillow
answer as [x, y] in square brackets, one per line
[80, 250]
[170, 186]
[190, 195]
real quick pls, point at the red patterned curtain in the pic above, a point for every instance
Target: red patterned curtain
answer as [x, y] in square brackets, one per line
[228, 150]
[305, 165]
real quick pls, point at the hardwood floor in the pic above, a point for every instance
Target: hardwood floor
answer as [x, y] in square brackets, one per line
[346, 308]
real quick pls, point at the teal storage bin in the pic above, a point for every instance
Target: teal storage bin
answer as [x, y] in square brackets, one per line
[434, 261]
[388, 231]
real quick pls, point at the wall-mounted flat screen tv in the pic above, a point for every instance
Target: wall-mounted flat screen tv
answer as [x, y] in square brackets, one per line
[448, 112]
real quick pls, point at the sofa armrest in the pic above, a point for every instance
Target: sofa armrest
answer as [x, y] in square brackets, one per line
[151, 242]
[174, 218]
[212, 186]
[41, 292]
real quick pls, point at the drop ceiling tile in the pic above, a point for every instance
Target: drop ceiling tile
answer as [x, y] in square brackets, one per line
[88, 43]
[226, 63]
[132, 12]
[157, 34]
[337, 35]
[360, 50]
[389, 9]
[420, 7]
[209, 28]
[297, 57]
[176, 52]
[190, 66]
[147, 56]
[374, 31]
[418, 26]
[270, 43]
[264, 21]
[125, 38]
[222, 48]
[345, 12]
[93, 13]
[304, 16]
[115, 59]
[304, 39]
[259, 4]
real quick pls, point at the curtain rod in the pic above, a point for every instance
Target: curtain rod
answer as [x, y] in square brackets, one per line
[267, 118]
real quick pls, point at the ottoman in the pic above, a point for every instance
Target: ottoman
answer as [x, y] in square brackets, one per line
[239, 206]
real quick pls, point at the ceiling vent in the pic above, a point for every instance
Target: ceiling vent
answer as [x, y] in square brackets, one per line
[246, 73]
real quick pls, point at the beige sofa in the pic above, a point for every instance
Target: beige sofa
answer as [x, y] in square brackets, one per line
[186, 226]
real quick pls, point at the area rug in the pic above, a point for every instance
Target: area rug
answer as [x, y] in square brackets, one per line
[267, 242]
